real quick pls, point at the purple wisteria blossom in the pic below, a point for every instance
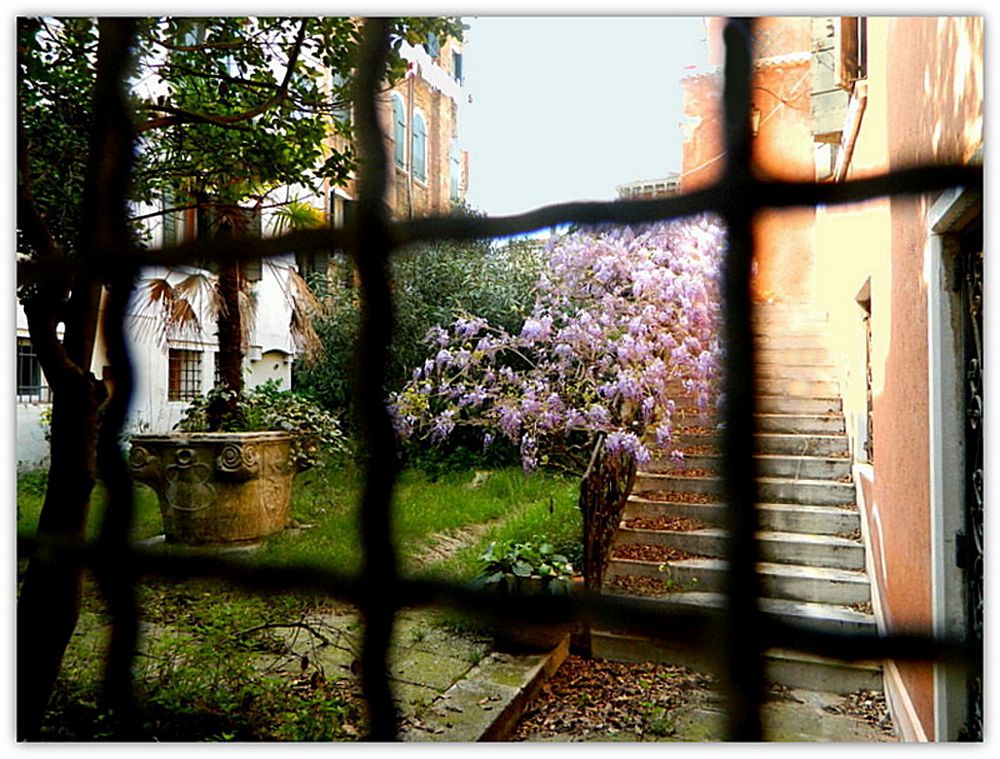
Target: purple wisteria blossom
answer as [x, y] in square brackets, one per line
[624, 326]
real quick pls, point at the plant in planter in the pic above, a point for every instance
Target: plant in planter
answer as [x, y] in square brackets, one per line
[526, 568]
[234, 484]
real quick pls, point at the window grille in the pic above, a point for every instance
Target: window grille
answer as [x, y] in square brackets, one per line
[31, 385]
[739, 630]
[184, 374]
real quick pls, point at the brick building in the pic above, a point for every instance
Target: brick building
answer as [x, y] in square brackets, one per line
[428, 169]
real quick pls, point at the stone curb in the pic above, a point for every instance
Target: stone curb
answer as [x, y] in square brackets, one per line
[486, 704]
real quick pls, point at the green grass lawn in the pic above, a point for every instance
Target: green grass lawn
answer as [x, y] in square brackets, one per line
[325, 501]
[507, 503]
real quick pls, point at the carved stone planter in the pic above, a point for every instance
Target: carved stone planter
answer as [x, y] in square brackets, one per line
[217, 487]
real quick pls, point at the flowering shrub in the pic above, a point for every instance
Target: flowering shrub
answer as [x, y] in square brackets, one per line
[624, 323]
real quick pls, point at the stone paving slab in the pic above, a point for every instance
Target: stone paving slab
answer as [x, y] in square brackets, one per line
[486, 704]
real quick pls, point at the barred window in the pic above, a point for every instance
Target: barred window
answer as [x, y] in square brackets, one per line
[31, 384]
[184, 382]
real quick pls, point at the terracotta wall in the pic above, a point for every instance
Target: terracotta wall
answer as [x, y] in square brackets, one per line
[924, 104]
[783, 148]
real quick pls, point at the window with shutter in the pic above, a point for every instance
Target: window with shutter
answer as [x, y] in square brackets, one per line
[456, 169]
[399, 129]
[419, 147]
[432, 47]
[169, 219]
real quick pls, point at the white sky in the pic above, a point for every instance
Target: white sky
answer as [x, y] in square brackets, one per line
[567, 108]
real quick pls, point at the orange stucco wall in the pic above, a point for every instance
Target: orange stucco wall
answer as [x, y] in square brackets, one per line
[924, 104]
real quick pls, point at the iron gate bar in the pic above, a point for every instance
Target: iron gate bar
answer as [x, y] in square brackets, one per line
[744, 667]
[379, 591]
[644, 615]
[113, 146]
[370, 248]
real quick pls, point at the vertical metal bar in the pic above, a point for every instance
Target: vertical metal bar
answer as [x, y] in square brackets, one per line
[370, 251]
[743, 641]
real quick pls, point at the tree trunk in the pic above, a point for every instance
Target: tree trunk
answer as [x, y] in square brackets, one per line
[225, 410]
[48, 604]
[604, 490]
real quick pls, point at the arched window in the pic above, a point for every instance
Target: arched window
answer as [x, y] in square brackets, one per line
[399, 129]
[419, 147]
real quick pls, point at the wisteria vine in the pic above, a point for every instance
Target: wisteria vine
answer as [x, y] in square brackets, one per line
[624, 330]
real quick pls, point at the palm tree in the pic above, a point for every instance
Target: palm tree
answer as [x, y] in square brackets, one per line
[178, 307]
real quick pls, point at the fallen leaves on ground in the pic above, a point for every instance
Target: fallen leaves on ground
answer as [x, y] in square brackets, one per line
[591, 699]
[867, 705]
[675, 524]
[678, 496]
[644, 552]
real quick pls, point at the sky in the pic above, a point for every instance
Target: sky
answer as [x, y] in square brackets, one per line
[568, 108]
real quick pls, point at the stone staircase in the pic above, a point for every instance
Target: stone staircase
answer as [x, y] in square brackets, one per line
[670, 545]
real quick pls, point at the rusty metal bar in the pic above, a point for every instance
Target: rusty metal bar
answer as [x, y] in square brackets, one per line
[645, 616]
[112, 149]
[744, 681]
[765, 194]
[370, 248]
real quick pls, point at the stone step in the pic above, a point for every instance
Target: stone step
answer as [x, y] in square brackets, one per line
[824, 424]
[767, 372]
[773, 546]
[800, 387]
[788, 581]
[770, 489]
[783, 314]
[768, 465]
[773, 517]
[809, 340]
[784, 404]
[806, 356]
[831, 618]
[791, 668]
[826, 446]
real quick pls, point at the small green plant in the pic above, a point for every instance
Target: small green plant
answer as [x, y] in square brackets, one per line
[505, 563]
[314, 431]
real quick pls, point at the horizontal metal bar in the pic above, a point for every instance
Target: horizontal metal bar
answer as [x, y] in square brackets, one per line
[761, 194]
[649, 617]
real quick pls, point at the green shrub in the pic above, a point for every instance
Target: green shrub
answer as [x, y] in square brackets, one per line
[433, 284]
[315, 432]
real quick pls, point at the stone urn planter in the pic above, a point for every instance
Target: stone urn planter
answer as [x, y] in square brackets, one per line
[217, 487]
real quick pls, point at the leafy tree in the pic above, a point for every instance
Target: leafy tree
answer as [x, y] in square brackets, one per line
[434, 283]
[226, 109]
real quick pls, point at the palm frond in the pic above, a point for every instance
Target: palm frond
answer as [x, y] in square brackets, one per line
[297, 215]
[305, 306]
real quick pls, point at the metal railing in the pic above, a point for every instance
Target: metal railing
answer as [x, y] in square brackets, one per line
[379, 591]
